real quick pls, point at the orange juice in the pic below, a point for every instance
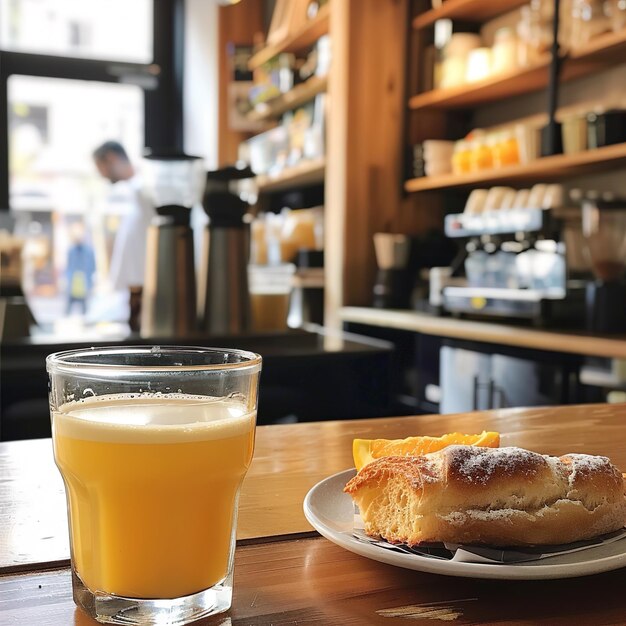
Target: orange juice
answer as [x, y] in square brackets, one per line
[152, 484]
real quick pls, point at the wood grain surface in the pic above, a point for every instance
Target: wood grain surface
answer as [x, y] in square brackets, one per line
[586, 344]
[288, 461]
[312, 581]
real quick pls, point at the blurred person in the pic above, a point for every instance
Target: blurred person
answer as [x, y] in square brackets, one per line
[81, 266]
[129, 248]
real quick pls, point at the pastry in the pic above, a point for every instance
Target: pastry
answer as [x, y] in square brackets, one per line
[495, 496]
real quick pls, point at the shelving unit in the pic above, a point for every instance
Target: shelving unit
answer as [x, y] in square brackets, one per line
[291, 100]
[451, 113]
[305, 173]
[604, 50]
[600, 53]
[296, 42]
[469, 10]
[546, 168]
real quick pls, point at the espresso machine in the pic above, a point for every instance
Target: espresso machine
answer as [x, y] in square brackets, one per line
[517, 264]
[173, 183]
[224, 303]
[604, 231]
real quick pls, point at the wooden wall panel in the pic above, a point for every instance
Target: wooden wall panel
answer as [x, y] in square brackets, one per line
[366, 140]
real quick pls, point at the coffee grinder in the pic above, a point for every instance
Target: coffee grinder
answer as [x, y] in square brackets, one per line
[604, 230]
[392, 289]
[173, 182]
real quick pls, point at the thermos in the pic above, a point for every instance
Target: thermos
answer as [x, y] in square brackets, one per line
[224, 304]
[173, 182]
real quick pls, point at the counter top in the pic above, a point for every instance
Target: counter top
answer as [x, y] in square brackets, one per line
[572, 342]
[284, 572]
[304, 373]
[299, 342]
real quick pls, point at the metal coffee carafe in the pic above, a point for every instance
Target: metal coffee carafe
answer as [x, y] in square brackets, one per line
[173, 183]
[224, 304]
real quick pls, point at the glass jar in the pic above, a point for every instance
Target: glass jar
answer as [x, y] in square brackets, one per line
[481, 157]
[615, 10]
[534, 34]
[455, 54]
[504, 51]
[461, 158]
[298, 232]
[478, 65]
[588, 21]
[506, 150]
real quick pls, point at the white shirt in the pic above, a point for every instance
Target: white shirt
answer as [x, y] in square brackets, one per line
[128, 259]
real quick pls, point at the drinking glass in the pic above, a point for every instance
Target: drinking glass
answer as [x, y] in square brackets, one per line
[153, 444]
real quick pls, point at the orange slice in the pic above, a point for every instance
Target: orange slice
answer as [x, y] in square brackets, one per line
[365, 451]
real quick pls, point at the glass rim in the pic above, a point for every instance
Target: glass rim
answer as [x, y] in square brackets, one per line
[65, 360]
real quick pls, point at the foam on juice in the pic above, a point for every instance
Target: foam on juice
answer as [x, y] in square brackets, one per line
[152, 418]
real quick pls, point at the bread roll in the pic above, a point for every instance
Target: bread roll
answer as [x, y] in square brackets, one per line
[495, 496]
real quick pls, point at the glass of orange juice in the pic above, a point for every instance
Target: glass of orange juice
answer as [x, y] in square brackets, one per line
[153, 444]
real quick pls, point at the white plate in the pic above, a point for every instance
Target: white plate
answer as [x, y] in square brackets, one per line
[331, 512]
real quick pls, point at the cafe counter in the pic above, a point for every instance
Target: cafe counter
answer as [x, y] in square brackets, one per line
[465, 365]
[572, 342]
[304, 373]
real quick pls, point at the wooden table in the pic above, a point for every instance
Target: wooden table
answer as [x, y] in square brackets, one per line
[285, 572]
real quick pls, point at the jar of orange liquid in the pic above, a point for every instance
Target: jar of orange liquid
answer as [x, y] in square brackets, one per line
[461, 158]
[506, 150]
[481, 157]
[298, 232]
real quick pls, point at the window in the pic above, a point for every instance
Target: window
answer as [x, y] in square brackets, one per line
[119, 30]
[74, 73]
[54, 126]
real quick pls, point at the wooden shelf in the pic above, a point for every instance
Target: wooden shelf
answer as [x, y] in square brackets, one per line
[608, 49]
[305, 173]
[297, 41]
[291, 100]
[546, 169]
[503, 85]
[469, 10]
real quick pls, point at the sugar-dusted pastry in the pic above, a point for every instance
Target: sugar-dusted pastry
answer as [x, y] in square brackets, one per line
[496, 496]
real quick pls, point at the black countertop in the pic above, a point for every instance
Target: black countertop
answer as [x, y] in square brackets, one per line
[306, 375]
